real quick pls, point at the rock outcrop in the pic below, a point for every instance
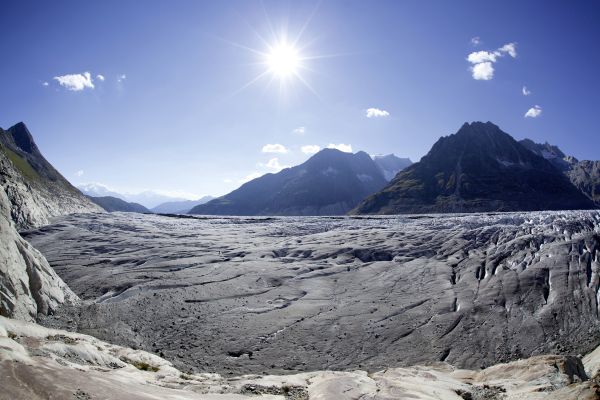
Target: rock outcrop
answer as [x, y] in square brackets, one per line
[585, 175]
[41, 363]
[28, 286]
[36, 190]
[478, 169]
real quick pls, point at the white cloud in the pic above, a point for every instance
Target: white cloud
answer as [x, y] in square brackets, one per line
[273, 164]
[45, 83]
[76, 82]
[376, 113]
[534, 112]
[510, 48]
[476, 41]
[483, 61]
[310, 149]
[228, 180]
[346, 148]
[483, 71]
[477, 57]
[274, 148]
[100, 77]
[79, 173]
[250, 177]
[526, 92]
[299, 130]
[121, 78]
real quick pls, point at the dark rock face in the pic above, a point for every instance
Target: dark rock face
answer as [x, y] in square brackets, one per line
[551, 153]
[111, 204]
[34, 188]
[248, 295]
[330, 183]
[390, 165]
[478, 169]
[585, 175]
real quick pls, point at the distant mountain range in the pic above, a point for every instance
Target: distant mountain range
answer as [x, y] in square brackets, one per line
[390, 165]
[329, 183]
[150, 199]
[36, 191]
[180, 207]
[112, 204]
[478, 169]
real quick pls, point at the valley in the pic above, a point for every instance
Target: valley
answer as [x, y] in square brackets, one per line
[293, 294]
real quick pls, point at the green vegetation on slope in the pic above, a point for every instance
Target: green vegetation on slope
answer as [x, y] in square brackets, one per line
[20, 164]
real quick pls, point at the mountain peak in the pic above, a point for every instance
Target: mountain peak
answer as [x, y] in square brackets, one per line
[479, 168]
[330, 182]
[22, 138]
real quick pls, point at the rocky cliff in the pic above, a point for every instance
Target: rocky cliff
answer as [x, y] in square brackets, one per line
[35, 189]
[28, 286]
[480, 168]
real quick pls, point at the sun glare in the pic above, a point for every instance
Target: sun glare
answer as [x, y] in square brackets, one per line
[283, 60]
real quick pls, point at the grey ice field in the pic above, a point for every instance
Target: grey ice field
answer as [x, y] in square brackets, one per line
[286, 294]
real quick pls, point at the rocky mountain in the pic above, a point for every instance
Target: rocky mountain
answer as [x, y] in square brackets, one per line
[98, 190]
[110, 204]
[329, 183]
[551, 153]
[35, 189]
[29, 287]
[390, 165]
[585, 175]
[478, 169]
[180, 207]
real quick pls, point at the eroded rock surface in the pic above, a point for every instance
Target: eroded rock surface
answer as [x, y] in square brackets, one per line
[28, 286]
[41, 363]
[264, 295]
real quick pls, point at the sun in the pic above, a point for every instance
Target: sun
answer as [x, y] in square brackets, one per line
[283, 60]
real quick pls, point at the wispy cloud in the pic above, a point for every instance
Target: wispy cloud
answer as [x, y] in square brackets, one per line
[346, 148]
[274, 165]
[79, 173]
[45, 83]
[274, 148]
[525, 91]
[310, 149]
[483, 61]
[534, 112]
[476, 41]
[75, 82]
[121, 78]
[510, 48]
[100, 77]
[299, 130]
[376, 113]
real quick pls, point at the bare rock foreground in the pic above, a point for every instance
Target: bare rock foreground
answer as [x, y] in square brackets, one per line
[41, 363]
[283, 295]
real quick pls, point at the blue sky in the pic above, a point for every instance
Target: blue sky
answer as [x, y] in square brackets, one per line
[173, 113]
